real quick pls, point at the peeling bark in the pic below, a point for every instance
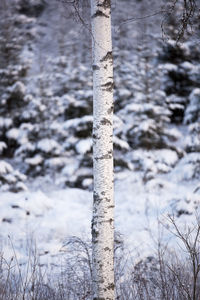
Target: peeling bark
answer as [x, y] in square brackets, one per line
[103, 202]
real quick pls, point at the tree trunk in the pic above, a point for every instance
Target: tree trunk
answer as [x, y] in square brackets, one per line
[103, 206]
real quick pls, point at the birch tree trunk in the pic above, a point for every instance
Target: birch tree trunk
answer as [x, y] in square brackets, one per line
[103, 206]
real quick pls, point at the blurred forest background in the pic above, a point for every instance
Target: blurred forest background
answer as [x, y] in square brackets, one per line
[46, 90]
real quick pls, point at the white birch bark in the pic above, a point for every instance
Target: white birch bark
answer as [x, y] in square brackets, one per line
[103, 206]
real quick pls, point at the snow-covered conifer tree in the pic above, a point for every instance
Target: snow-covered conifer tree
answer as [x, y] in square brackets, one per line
[103, 207]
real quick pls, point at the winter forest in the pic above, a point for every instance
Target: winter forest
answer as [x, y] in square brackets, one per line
[46, 157]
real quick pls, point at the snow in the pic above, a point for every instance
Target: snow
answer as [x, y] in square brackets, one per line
[187, 168]
[13, 133]
[120, 143]
[5, 122]
[87, 182]
[70, 168]
[5, 167]
[18, 89]
[24, 148]
[134, 107]
[167, 157]
[48, 218]
[48, 145]
[187, 66]
[33, 161]
[191, 113]
[124, 93]
[84, 146]
[146, 125]
[170, 67]
[55, 162]
[77, 121]
[51, 216]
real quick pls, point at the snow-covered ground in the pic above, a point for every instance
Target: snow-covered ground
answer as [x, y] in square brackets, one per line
[47, 217]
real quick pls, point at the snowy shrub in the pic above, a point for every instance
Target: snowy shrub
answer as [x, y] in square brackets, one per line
[188, 168]
[46, 113]
[122, 96]
[49, 146]
[188, 205]
[152, 163]
[120, 144]
[84, 146]
[76, 108]
[180, 77]
[31, 7]
[121, 163]
[79, 127]
[11, 179]
[5, 123]
[177, 81]
[176, 105]
[13, 134]
[3, 146]
[148, 129]
[25, 150]
[34, 161]
[70, 168]
[192, 112]
[17, 92]
[173, 52]
[81, 178]
[34, 165]
[193, 140]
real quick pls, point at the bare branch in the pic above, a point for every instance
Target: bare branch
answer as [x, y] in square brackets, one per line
[185, 20]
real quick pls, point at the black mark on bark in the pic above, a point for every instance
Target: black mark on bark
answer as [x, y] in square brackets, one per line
[95, 68]
[105, 4]
[96, 127]
[111, 206]
[105, 156]
[108, 56]
[106, 249]
[105, 121]
[108, 86]
[98, 199]
[99, 13]
[111, 286]
[95, 137]
[110, 110]
[95, 232]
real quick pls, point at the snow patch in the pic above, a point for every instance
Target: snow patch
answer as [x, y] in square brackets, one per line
[48, 145]
[13, 133]
[34, 161]
[84, 146]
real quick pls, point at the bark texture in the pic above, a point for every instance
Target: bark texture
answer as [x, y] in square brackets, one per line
[103, 206]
